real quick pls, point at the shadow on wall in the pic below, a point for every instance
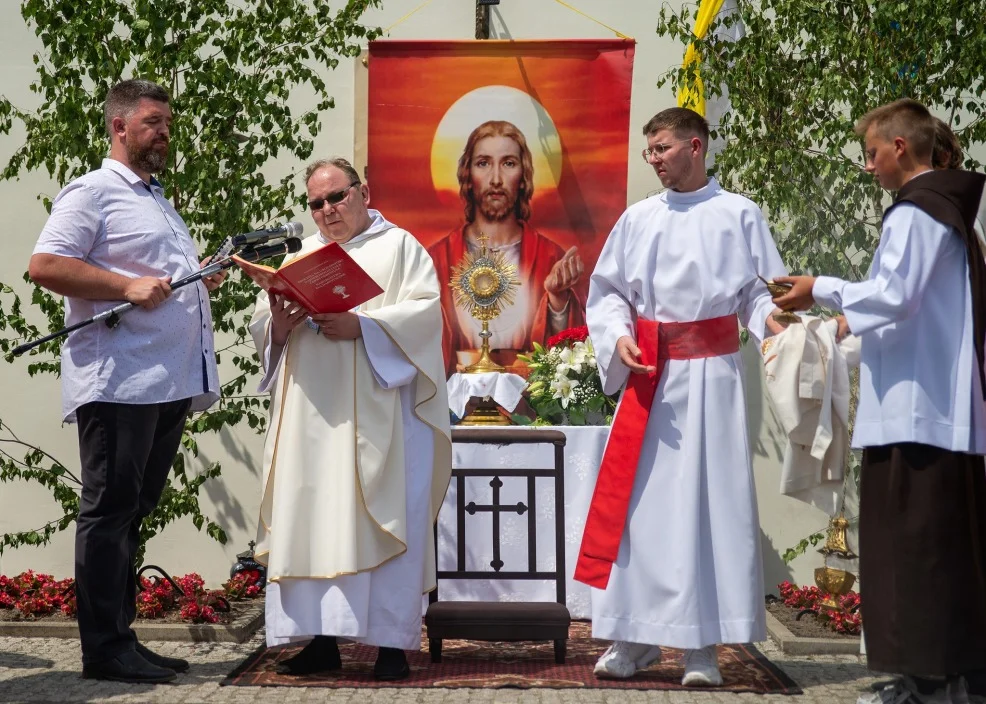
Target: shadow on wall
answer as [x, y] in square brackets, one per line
[775, 570]
[235, 456]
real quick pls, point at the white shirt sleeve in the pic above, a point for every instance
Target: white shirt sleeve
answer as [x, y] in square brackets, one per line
[909, 248]
[609, 311]
[767, 262]
[74, 225]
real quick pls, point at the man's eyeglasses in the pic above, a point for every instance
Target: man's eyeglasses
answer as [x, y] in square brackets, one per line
[660, 149]
[331, 198]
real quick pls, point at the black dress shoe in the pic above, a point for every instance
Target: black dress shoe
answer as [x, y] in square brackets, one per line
[128, 666]
[391, 665]
[176, 664]
[321, 655]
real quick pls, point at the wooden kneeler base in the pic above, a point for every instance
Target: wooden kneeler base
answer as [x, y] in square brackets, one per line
[497, 621]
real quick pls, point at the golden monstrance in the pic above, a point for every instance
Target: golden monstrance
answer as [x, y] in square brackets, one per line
[483, 284]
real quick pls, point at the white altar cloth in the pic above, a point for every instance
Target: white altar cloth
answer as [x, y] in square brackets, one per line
[504, 388]
[583, 454]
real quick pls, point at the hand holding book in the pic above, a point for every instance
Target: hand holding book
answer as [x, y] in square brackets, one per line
[325, 280]
[338, 326]
[285, 316]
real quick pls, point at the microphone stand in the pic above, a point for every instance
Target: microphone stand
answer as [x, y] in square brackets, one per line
[112, 316]
[222, 259]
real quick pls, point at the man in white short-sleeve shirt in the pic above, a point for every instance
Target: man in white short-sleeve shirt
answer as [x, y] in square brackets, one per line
[112, 236]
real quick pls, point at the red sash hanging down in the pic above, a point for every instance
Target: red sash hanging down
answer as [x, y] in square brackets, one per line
[658, 342]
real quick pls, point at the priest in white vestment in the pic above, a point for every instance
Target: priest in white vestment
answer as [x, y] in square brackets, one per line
[688, 570]
[358, 452]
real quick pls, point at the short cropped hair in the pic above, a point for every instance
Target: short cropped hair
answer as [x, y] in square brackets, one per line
[342, 164]
[683, 122]
[947, 152]
[905, 118]
[123, 98]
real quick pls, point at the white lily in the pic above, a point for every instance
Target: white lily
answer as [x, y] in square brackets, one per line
[581, 353]
[564, 388]
[568, 359]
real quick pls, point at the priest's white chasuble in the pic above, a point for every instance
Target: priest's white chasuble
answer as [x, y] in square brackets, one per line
[358, 456]
[689, 570]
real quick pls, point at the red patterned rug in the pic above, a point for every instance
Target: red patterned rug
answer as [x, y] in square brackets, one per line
[486, 665]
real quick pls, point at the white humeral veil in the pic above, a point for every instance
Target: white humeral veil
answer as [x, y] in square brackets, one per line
[357, 458]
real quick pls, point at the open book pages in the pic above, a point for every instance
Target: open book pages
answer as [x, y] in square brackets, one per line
[261, 275]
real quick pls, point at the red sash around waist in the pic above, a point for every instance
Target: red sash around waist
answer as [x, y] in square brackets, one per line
[658, 342]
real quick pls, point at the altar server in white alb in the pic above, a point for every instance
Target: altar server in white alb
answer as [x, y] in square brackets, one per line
[672, 537]
[358, 454]
[921, 421]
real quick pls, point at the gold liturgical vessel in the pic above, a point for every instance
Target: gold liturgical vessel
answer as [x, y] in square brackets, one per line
[835, 582]
[483, 283]
[776, 289]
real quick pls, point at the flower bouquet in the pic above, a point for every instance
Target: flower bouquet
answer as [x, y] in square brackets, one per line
[563, 387]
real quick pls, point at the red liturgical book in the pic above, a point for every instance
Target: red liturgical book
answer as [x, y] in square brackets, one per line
[326, 280]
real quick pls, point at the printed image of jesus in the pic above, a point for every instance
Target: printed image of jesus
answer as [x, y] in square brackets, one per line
[496, 184]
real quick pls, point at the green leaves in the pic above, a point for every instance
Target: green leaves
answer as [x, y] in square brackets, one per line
[797, 82]
[231, 69]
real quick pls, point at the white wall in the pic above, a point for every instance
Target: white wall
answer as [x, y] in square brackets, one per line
[32, 406]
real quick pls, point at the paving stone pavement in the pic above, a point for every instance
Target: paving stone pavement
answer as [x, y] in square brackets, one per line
[48, 670]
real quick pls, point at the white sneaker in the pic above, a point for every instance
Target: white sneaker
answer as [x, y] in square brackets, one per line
[702, 668]
[622, 659]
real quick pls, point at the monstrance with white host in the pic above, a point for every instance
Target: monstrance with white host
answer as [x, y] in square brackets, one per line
[483, 283]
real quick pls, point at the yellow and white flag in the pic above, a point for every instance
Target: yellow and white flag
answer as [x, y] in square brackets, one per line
[693, 95]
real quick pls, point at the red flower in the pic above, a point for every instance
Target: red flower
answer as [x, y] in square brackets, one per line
[570, 336]
[847, 620]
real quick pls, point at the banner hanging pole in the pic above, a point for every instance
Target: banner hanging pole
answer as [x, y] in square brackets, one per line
[482, 20]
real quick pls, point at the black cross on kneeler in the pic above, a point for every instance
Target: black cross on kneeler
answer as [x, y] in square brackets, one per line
[472, 508]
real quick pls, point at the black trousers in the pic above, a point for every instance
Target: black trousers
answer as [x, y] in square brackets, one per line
[127, 451]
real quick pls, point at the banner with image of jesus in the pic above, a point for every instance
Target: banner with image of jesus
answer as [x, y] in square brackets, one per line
[521, 145]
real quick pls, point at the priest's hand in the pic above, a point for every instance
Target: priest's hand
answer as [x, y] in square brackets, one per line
[629, 353]
[565, 273]
[285, 316]
[799, 297]
[339, 326]
[843, 332]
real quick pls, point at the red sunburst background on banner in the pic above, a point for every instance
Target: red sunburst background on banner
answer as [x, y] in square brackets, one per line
[420, 97]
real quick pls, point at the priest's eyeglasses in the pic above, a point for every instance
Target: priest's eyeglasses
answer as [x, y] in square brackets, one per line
[332, 198]
[660, 149]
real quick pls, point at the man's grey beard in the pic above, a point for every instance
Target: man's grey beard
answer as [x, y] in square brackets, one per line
[147, 159]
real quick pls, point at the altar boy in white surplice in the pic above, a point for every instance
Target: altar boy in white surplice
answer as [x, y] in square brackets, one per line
[358, 454]
[672, 538]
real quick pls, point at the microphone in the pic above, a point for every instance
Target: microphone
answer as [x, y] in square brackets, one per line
[290, 229]
[288, 246]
